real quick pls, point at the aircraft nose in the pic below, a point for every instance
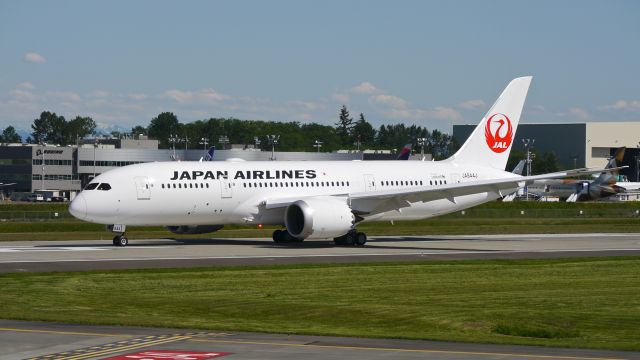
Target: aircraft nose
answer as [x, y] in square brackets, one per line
[78, 207]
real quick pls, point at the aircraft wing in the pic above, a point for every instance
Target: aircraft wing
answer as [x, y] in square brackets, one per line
[379, 201]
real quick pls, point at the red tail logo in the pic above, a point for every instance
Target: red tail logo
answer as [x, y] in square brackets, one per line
[498, 139]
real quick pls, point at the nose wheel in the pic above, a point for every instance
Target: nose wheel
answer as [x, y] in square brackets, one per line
[120, 240]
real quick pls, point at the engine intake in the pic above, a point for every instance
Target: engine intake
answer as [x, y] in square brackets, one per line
[194, 229]
[318, 218]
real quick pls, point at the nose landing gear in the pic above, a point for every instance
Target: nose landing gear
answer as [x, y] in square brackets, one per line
[120, 240]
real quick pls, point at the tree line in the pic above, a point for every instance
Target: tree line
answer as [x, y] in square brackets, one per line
[346, 134]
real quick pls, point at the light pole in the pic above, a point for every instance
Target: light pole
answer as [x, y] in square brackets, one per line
[204, 142]
[95, 146]
[422, 142]
[224, 140]
[186, 144]
[44, 144]
[528, 143]
[317, 144]
[173, 139]
[357, 143]
[273, 140]
[256, 141]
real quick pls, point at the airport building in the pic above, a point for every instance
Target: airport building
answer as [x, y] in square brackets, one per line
[577, 145]
[64, 171]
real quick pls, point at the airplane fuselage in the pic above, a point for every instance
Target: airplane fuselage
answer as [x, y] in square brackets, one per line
[198, 193]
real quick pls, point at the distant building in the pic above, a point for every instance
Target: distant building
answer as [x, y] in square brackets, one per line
[68, 169]
[577, 144]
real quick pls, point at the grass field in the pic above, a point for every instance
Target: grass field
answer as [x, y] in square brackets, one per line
[53, 222]
[589, 303]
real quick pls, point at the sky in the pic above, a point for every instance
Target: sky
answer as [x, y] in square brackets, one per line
[429, 63]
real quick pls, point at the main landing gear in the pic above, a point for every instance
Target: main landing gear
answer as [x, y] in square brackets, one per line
[120, 240]
[283, 236]
[352, 238]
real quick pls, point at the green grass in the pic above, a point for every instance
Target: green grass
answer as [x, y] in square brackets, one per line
[589, 303]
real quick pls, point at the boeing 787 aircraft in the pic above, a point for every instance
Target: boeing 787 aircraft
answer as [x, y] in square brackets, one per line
[312, 199]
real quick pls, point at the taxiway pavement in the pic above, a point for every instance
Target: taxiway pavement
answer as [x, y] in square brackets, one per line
[39, 256]
[47, 341]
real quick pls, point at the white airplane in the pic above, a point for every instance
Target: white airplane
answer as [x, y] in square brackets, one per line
[312, 199]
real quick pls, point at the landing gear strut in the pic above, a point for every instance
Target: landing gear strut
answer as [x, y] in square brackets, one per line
[352, 238]
[120, 240]
[283, 236]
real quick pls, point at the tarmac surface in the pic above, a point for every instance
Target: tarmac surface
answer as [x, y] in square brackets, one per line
[44, 256]
[40, 340]
[48, 341]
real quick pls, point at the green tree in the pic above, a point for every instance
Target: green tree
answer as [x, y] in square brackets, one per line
[344, 126]
[79, 127]
[363, 132]
[49, 128]
[9, 135]
[162, 127]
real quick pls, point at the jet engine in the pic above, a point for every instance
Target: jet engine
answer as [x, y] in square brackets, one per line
[318, 218]
[194, 229]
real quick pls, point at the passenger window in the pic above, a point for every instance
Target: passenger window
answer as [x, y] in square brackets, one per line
[104, 186]
[91, 186]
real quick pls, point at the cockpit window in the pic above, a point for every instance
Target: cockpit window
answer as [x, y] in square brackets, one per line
[104, 186]
[91, 186]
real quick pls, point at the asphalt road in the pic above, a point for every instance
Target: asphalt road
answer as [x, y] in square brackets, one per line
[40, 256]
[36, 340]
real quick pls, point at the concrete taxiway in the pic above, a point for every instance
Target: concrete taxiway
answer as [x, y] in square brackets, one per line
[37, 340]
[163, 253]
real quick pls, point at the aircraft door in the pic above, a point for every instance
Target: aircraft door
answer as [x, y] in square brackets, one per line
[369, 182]
[226, 191]
[142, 188]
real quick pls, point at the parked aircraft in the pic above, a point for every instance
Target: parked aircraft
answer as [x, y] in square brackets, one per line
[573, 190]
[312, 199]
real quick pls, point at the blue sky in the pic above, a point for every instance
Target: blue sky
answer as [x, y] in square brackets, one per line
[415, 62]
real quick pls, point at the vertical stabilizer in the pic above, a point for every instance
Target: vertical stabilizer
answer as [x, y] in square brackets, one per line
[490, 142]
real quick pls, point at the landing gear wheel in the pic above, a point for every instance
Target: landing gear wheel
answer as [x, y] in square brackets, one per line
[120, 240]
[352, 238]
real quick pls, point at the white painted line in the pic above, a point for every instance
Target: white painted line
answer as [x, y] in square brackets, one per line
[444, 252]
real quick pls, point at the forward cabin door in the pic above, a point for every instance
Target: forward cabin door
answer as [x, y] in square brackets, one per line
[142, 188]
[369, 182]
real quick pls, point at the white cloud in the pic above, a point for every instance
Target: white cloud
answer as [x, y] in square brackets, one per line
[34, 58]
[200, 96]
[22, 95]
[631, 105]
[446, 113]
[473, 104]
[101, 94]
[389, 100]
[64, 96]
[581, 114]
[341, 98]
[137, 96]
[365, 88]
[25, 85]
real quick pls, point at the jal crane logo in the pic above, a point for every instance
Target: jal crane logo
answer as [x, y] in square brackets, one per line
[498, 136]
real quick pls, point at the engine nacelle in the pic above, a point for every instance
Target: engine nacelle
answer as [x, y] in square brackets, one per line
[194, 229]
[318, 218]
